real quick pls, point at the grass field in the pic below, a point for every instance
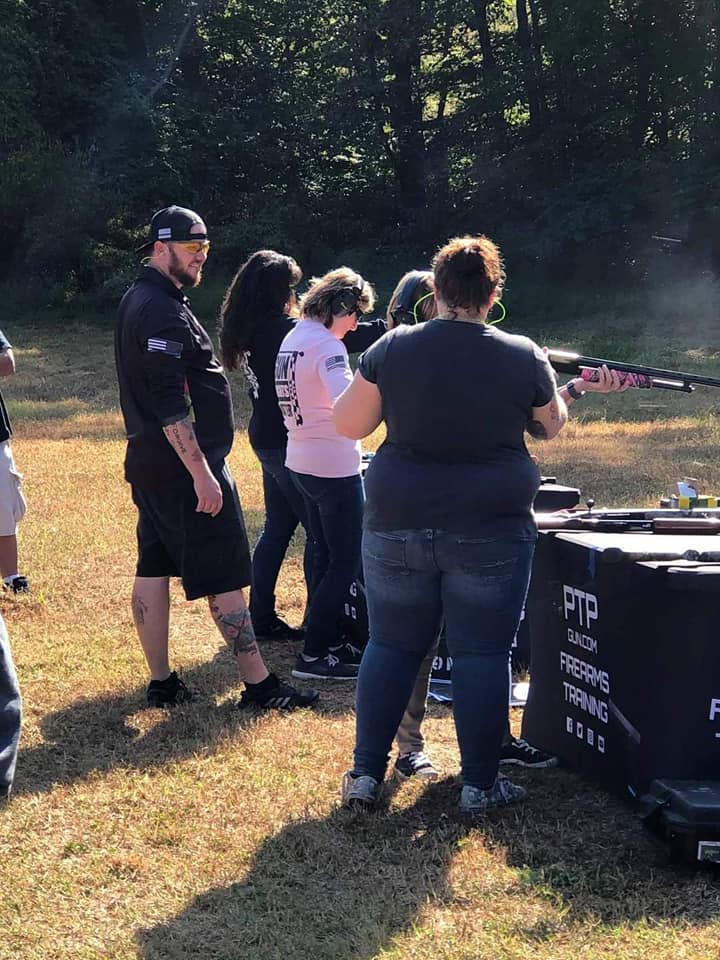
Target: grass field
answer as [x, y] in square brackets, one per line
[208, 833]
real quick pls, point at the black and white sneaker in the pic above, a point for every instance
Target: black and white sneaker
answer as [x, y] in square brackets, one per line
[347, 652]
[276, 695]
[523, 754]
[168, 693]
[415, 764]
[325, 668]
[18, 584]
[277, 629]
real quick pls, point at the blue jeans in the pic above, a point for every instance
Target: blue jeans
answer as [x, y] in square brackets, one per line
[414, 579]
[334, 508]
[284, 509]
[10, 713]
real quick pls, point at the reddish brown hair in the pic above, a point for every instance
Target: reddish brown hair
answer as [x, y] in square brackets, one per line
[468, 270]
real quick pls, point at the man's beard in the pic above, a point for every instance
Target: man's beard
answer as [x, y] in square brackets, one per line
[183, 277]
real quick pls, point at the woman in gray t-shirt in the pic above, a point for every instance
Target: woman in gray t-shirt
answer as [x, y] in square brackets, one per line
[448, 530]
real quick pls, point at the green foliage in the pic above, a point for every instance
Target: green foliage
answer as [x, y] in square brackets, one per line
[19, 65]
[571, 131]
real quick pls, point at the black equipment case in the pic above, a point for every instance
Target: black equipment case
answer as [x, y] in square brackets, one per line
[685, 814]
[626, 656]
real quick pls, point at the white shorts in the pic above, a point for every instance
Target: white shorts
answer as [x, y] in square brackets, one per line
[12, 501]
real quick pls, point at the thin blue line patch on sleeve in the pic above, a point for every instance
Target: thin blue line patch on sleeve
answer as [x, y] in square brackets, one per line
[173, 348]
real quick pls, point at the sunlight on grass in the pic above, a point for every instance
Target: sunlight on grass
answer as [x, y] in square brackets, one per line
[206, 832]
[47, 409]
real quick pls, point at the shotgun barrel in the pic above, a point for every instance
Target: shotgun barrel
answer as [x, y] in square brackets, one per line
[565, 361]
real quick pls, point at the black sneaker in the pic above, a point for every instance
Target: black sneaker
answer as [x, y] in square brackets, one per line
[503, 792]
[415, 764]
[523, 754]
[168, 693]
[277, 629]
[359, 793]
[347, 653]
[325, 668]
[18, 584]
[5, 791]
[280, 696]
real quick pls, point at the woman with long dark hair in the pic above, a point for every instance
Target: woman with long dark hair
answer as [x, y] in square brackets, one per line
[259, 310]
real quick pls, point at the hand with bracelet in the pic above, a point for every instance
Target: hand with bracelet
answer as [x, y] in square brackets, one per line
[609, 381]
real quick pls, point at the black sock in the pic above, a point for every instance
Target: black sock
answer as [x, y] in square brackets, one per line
[265, 686]
[168, 681]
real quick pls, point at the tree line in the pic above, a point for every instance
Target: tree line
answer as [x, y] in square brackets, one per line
[571, 130]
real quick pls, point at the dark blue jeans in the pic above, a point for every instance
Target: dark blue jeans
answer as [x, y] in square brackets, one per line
[10, 713]
[413, 579]
[334, 507]
[284, 510]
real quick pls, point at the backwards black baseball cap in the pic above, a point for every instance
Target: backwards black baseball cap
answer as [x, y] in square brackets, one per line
[173, 223]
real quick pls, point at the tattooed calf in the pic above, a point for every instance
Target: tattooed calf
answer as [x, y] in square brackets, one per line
[139, 609]
[237, 629]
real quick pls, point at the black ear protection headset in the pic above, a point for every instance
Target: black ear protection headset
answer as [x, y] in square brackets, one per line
[404, 310]
[346, 299]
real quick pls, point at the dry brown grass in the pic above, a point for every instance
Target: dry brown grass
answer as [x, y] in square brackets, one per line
[208, 833]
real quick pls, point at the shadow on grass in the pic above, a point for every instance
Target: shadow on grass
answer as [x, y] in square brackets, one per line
[587, 852]
[113, 731]
[347, 886]
[337, 888]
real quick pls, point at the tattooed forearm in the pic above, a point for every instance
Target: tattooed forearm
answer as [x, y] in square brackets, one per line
[139, 609]
[176, 438]
[181, 435]
[537, 430]
[236, 628]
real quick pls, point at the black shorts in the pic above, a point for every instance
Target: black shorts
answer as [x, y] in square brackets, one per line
[210, 554]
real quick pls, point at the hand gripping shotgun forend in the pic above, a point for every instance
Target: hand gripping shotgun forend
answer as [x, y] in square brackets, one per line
[588, 369]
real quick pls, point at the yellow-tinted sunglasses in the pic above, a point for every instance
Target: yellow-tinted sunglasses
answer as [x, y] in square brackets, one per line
[193, 246]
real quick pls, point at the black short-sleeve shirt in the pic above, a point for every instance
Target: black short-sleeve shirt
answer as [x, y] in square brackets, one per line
[167, 370]
[456, 399]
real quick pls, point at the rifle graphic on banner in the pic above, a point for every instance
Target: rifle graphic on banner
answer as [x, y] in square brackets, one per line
[644, 377]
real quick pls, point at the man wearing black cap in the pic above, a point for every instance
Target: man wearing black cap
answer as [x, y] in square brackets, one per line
[178, 416]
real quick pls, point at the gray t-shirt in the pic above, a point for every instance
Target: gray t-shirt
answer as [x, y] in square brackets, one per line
[456, 399]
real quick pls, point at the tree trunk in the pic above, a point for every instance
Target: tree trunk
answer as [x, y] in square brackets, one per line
[408, 153]
[642, 110]
[488, 57]
[530, 70]
[132, 26]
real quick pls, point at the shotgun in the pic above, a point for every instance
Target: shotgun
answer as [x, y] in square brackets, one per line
[645, 377]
